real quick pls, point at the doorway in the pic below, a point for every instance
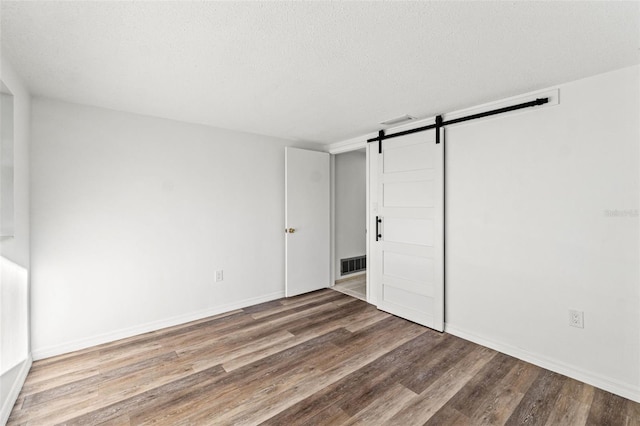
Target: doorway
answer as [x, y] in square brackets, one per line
[350, 223]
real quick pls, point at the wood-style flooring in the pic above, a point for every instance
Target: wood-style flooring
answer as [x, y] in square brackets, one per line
[355, 286]
[321, 358]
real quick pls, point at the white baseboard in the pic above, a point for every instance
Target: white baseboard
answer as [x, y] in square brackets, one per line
[622, 389]
[47, 352]
[10, 400]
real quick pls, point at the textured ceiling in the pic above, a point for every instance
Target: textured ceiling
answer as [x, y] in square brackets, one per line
[315, 71]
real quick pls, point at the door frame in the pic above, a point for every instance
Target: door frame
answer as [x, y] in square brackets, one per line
[355, 144]
[352, 145]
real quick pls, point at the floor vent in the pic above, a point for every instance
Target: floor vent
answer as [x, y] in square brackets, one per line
[353, 264]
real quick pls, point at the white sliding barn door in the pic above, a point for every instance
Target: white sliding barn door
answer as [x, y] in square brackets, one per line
[408, 264]
[307, 221]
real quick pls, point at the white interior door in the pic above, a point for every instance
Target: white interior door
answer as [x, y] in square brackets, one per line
[307, 221]
[408, 264]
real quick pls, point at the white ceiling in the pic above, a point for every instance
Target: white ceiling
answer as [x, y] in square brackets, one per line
[314, 71]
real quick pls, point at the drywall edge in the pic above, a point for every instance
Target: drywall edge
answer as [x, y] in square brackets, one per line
[16, 387]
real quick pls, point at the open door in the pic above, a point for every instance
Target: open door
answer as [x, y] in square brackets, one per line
[408, 217]
[307, 221]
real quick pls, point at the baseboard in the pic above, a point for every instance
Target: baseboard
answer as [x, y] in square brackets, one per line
[76, 345]
[11, 398]
[610, 385]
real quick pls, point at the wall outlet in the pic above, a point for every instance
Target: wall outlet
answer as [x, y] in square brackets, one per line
[576, 318]
[219, 276]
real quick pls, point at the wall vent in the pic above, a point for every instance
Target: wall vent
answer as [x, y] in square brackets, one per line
[353, 264]
[398, 120]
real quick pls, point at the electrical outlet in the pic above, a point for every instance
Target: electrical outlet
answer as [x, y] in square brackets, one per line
[576, 318]
[219, 275]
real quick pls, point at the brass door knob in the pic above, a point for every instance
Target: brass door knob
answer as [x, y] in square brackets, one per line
[290, 230]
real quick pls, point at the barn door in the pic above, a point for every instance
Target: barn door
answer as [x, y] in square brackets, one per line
[408, 247]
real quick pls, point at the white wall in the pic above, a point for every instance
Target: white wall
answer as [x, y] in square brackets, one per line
[132, 215]
[350, 206]
[529, 232]
[15, 250]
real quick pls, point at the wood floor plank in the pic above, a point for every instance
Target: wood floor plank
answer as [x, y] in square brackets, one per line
[34, 387]
[394, 367]
[568, 411]
[331, 416]
[275, 346]
[360, 384]
[304, 298]
[420, 409]
[112, 392]
[230, 408]
[346, 362]
[262, 307]
[155, 397]
[100, 380]
[369, 317]
[121, 352]
[500, 401]
[350, 309]
[215, 330]
[428, 368]
[633, 413]
[319, 298]
[449, 416]
[348, 318]
[381, 409]
[119, 346]
[287, 319]
[55, 412]
[633, 421]
[59, 392]
[573, 404]
[127, 386]
[537, 404]
[243, 379]
[118, 421]
[319, 358]
[205, 360]
[607, 408]
[335, 365]
[61, 372]
[473, 395]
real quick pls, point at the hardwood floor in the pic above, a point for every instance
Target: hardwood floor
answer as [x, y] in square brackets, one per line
[353, 286]
[321, 358]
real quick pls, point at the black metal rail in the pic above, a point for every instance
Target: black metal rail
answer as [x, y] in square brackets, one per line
[439, 123]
